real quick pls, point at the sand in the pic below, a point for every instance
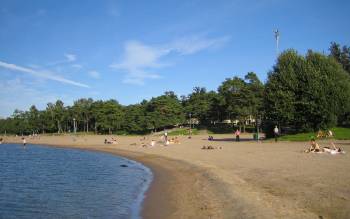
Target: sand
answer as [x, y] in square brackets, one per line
[243, 179]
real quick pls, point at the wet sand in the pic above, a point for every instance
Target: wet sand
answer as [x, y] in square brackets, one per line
[241, 180]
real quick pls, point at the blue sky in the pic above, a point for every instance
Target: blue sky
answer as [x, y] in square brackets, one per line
[133, 50]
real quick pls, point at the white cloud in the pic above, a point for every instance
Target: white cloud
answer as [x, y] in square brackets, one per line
[24, 95]
[41, 74]
[139, 60]
[193, 44]
[94, 74]
[70, 57]
[78, 66]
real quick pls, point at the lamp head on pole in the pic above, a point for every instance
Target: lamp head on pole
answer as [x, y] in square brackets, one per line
[277, 34]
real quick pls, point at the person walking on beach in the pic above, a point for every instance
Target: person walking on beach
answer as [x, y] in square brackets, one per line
[276, 132]
[24, 141]
[237, 133]
[165, 136]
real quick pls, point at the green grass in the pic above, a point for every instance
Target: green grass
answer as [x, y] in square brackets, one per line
[339, 134]
[183, 131]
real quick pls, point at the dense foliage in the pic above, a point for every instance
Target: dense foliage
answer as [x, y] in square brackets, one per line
[306, 93]
[302, 93]
[341, 55]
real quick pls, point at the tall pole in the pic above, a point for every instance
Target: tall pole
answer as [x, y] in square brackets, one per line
[74, 126]
[277, 38]
[190, 125]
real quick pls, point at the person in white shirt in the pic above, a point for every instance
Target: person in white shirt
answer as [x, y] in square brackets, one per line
[276, 132]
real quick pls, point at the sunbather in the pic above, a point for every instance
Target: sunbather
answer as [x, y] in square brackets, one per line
[334, 149]
[209, 147]
[314, 147]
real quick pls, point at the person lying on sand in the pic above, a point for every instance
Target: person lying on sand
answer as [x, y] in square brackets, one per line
[210, 138]
[334, 149]
[174, 141]
[113, 141]
[107, 142]
[314, 147]
[209, 147]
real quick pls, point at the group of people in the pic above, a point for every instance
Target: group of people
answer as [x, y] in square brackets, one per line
[164, 140]
[113, 141]
[316, 148]
[209, 147]
[210, 138]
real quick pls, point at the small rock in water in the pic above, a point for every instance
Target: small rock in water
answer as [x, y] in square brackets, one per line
[124, 165]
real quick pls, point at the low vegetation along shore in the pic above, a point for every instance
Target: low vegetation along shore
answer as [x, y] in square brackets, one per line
[245, 179]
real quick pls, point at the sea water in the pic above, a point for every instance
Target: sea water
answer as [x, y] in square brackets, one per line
[47, 182]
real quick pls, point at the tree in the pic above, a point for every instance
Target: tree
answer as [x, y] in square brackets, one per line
[341, 55]
[242, 98]
[307, 93]
[135, 119]
[82, 111]
[34, 120]
[107, 115]
[164, 111]
[199, 104]
[255, 93]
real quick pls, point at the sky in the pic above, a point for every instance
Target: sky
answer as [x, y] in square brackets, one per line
[132, 50]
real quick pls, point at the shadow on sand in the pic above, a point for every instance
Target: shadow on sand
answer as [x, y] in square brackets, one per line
[232, 139]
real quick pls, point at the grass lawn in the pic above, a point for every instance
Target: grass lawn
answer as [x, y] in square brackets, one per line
[339, 134]
[182, 131]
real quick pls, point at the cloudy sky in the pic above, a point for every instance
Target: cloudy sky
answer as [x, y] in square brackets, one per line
[133, 50]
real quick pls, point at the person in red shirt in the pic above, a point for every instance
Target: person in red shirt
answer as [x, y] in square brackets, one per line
[237, 133]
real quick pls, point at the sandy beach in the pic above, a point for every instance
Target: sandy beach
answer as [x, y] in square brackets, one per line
[244, 179]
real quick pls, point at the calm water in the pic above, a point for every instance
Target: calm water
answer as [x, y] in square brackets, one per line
[42, 182]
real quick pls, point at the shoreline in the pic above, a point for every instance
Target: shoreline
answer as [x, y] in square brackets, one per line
[244, 179]
[171, 188]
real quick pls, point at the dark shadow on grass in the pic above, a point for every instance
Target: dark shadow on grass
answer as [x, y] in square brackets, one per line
[233, 139]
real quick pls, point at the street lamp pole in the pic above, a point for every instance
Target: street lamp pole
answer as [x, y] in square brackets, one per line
[74, 126]
[277, 38]
[190, 125]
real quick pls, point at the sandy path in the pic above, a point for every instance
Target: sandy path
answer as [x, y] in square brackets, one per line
[242, 180]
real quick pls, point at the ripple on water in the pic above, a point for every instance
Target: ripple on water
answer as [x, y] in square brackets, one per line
[43, 182]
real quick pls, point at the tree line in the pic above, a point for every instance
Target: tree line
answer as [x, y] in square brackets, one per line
[302, 93]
